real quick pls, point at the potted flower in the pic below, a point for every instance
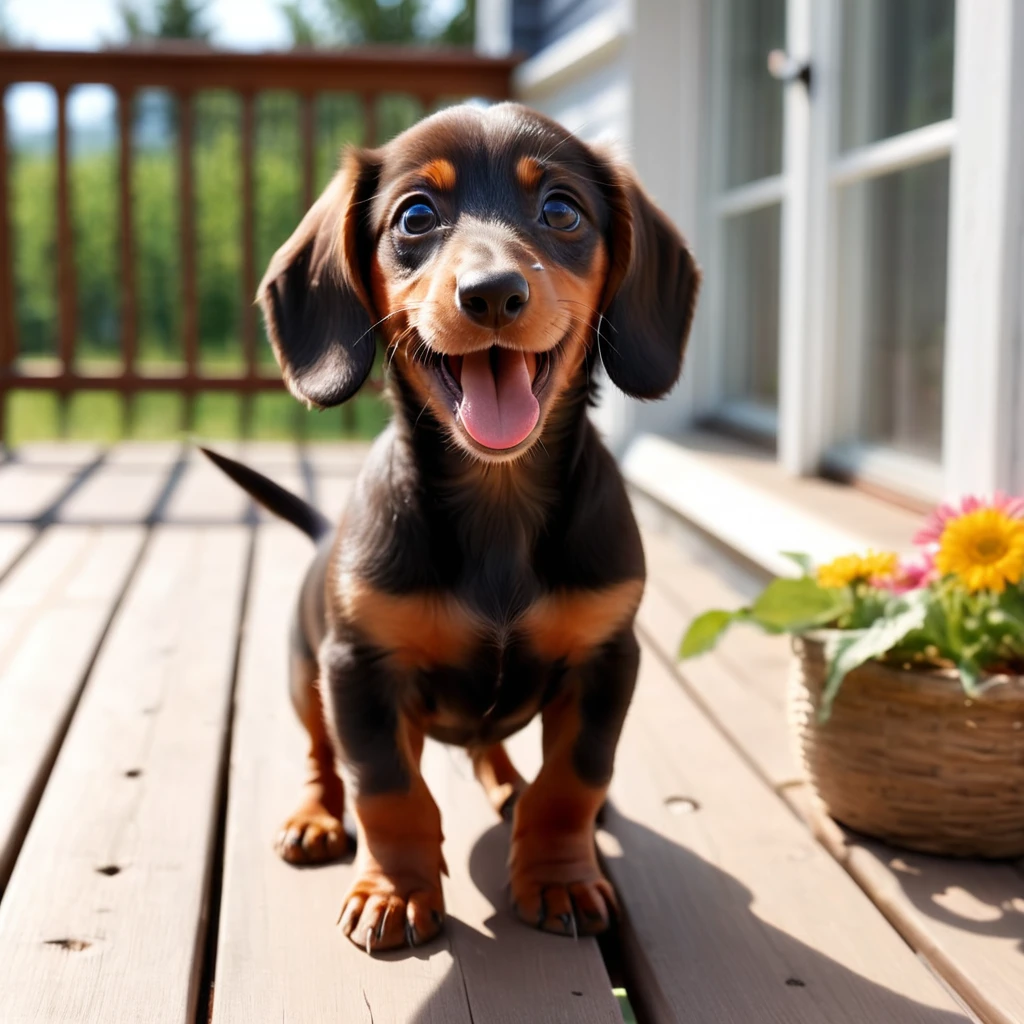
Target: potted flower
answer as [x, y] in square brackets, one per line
[906, 695]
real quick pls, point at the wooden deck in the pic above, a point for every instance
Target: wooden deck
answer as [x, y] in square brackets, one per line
[147, 753]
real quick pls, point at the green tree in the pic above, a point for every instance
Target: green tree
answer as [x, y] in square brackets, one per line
[303, 31]
[168, 19]
[461, 29]
[353, 22]
[6, 38]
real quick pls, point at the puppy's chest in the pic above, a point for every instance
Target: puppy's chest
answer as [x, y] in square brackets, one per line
[432, 630]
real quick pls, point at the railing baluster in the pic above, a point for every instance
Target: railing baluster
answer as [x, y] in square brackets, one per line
[248, 262]
[370, 119]
[8, 330]
[67, 327]
[183, 75]
[308, 149]
[189, 317]
[369, 101]
[308, 102]
[129, 316]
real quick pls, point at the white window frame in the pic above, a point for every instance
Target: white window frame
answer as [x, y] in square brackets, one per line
[811, 435]
[749, 416]
[983, 360]
[983, 405]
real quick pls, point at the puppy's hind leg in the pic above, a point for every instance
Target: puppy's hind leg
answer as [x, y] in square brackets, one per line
[314, 833]
[495, 771]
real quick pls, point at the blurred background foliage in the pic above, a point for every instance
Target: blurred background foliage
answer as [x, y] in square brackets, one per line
[217, 173]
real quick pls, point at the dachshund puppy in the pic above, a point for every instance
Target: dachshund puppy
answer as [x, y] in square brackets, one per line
[488, 567]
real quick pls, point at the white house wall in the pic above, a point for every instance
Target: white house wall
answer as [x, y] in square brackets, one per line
[631, 76]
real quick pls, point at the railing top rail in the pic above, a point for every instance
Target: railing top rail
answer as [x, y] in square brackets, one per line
[420, 70]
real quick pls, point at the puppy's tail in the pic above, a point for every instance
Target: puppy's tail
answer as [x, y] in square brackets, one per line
[273, 497]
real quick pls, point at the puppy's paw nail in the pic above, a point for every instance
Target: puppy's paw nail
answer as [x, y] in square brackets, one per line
[348, 920]
[383, 923]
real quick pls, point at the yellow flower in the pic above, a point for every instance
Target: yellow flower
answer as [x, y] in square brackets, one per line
[847, 569]
[984, 548]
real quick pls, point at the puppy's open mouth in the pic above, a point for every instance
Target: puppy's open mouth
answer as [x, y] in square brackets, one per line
[495, 392]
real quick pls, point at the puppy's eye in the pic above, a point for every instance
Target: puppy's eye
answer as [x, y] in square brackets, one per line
[560, 214]
[418, 219]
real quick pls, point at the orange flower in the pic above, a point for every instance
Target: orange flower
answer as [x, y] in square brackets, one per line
[874, 567]
[984, 548]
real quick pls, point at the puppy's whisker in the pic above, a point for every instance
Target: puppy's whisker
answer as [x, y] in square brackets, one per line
[395, 312]
[568, 138]
[416, 423]
[589, 309]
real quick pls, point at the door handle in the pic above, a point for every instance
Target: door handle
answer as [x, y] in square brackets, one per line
[784, 68]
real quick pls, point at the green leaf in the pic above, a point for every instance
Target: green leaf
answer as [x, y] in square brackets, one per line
[970, 674]
[796, 605]
[847, 651]
[804, 561]
[1011, 604]
[705, 631]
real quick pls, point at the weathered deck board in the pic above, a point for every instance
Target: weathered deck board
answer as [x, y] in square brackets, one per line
[54, 609]
[721, 903]
[13, 541]
[280, 955]
[734, 913]
[38, 476]
[966, 918]
[133, 790]
[331, 459]
[333, 470]
[511, 973]
[204, 494]
[126, 488]
[282, 466]
[754, 721]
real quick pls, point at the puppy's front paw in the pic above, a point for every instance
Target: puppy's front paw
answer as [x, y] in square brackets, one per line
[567, 899]
[312, 835]
[383, 911]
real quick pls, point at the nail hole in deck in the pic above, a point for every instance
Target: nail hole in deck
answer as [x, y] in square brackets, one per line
[133, 773]
[575, 993]
[71, 945]
[796, 983]
[681, 805]
[109, 870]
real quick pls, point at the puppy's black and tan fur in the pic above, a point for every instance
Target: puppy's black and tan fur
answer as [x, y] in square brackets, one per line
[488, 567]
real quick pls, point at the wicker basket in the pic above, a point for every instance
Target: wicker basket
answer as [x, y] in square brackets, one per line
[908, 758]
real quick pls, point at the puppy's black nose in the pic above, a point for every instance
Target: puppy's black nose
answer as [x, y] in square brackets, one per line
[492, 299]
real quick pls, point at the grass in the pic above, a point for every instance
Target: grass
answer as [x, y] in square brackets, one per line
[106, 416]
[628, 1016]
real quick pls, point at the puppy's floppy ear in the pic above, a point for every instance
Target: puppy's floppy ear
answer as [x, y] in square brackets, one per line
[314, 299]
[650, 293]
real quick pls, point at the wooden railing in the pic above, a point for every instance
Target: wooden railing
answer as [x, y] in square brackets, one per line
[429, 76]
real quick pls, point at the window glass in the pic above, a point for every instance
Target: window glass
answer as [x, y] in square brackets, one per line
[892, 314]
[897, 60]
[751, 305]
[753, 97]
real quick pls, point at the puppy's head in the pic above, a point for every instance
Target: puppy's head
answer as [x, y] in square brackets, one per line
[492, 250]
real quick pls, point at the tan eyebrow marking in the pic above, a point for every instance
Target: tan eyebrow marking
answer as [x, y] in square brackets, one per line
[529, 171]
[440, 174]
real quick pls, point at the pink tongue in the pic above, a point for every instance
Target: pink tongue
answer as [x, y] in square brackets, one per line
[498, 408]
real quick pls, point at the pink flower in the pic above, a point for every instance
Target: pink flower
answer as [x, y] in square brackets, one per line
[931, 532]
[912, 573]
